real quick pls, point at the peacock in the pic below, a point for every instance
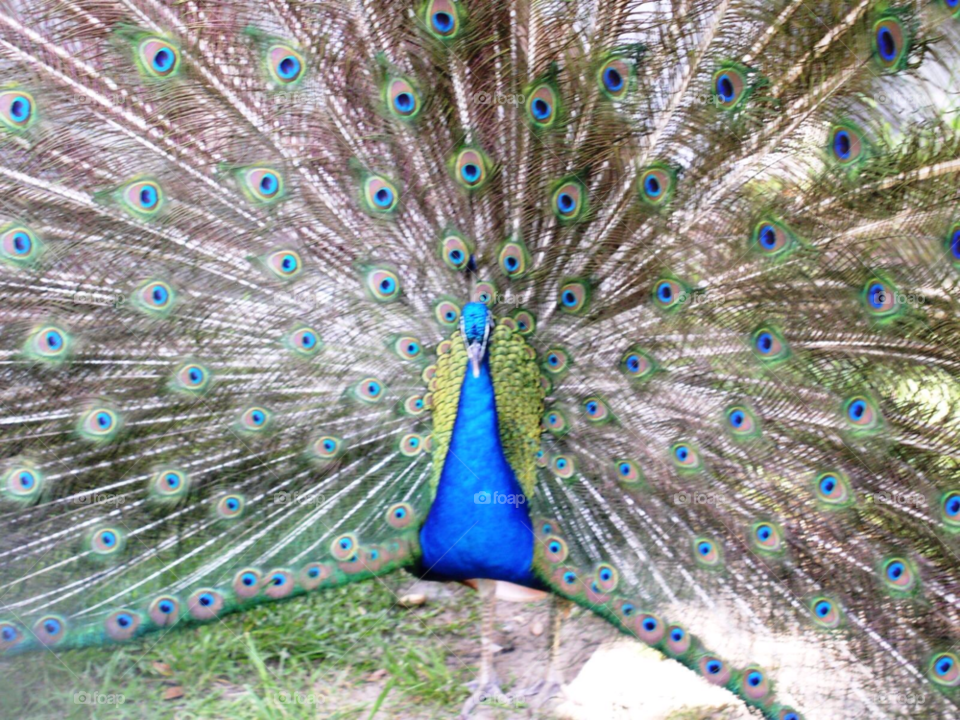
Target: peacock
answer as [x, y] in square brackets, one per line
[651, 306]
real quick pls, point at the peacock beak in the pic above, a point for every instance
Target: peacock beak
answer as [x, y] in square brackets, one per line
[475, 355]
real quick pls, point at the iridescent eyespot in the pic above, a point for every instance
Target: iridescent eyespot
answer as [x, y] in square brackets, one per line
[555, 422]
[284, 264]
[455, 251]
[786, 713]
[443, 18]
[742, 422]
[862, 415]
[255, 419]
[826, 613]
[484, 292]
[706, 552]
[344, 547]
[191, 377]
[369, 390]
[525, 320]
[596, 410]
[410, 445]
[50, 629]
[246, 583]
[407, 347]
[950, 509]
[158, 58]
[513, 259]
[401, 98]
[898, 575]
[556, 361]
[314, 575]
[542, 106]
[656, 184]
[278, 584]
[285, 64]
[714, 670]
[382, 284]
[832, 488]
[881, 300]
[685, 457]
[326, 447]
[637, 364]
[471, 168]
[107, 541]
[649, 629]
[19, 245]
[169, 484]
[729, 85]
[447, 313]
[400, 515]
[953, 6]
[768, 345]
[230, 507]
[678, 640]
[22, 483]
[754, 683]
[154, 297]
[414, 405]
[164, 611]
[261, 184]
[670, 294]
[304, 341]
[773, 239]
[628, 471]
[563, 466]
[766, 536]
[122, 625]
[142, 198]
[205, 604]
[16, 110]
[890, 43]
[614, 78]
[944, 669]
[569, 201]
[99, 423]
[379, 195]
[10, 636]
[555, 550]
[952, 243]
[574, 297]
[607, 577]
[48, 343]
[846, 143]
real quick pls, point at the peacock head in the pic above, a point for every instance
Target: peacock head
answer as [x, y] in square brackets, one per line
[475, 325]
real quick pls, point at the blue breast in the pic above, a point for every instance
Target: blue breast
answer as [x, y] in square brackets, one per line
[463, 536]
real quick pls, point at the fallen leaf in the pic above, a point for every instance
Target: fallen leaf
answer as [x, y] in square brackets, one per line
[162, 668]
[172, 693]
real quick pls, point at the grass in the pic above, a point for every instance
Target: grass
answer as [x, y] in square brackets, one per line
[345, 653]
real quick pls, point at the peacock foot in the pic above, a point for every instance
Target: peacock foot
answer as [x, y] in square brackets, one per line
[543, 691]
[488, 691]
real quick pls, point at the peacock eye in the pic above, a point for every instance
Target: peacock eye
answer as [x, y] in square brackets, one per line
[568, 201]
[16, 110]
[890, 43]
[513, 258]
[442, 19]
[614, 76]
[285, 64]
[542, 106]
[158, 58]
[143, 198]
[471, 168]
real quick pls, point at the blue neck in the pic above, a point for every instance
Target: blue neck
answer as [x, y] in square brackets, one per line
[463, 538]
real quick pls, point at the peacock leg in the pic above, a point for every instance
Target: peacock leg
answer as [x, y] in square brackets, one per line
[547, 688]
[487, 684]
